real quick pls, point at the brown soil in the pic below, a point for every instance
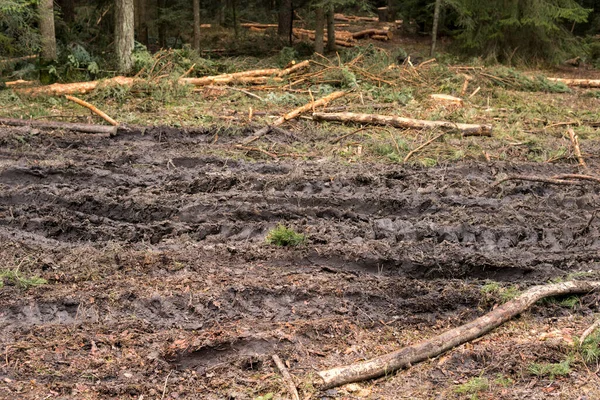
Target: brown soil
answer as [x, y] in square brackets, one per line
[161, 285]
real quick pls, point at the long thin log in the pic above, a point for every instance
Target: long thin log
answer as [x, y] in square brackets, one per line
[437, 345]
[20, 82]
[60, 89]
[400, 122]
[295, 114]
[94, 109]
[584, 83]
[371, 32]
[286, 377]
[86, 128]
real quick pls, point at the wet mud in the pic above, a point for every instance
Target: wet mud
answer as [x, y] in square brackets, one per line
[157, 267]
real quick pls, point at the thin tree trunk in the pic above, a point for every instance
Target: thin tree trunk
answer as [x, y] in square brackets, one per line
[196, 25]
[436, 21]
[286, 17]
[330, 30]
[143, 27]
[67, 8]
[319, 30]
[162, 27]
[124, 34]
[235, 19]
[46, 11]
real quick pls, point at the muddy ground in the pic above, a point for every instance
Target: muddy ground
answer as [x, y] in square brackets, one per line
[161, 285]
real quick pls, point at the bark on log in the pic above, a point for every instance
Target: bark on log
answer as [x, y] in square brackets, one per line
[584, 83]
[60, 89]
[437, 345]
[371, 32]
[85, 128]
[400, 122]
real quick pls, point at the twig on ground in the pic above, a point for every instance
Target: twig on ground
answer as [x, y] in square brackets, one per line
[589, 331]
[165, 385]
[186, 73]
[340, 138]
[286, 377]
[236, 90]
[577, 176]
[576, 149]
[423, 145]
[272, 155]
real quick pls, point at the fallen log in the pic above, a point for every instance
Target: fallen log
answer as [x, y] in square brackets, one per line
[407, 356]
[383, 38]
[85, 128]
[371, 32]
[94, 109]
[446, 100]
[257, 25]
[61, 89]
[400, 122]
[295, 114]
[584, 83]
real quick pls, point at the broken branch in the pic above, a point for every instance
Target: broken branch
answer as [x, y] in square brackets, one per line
[437, 345]
[286, 377]
[576, 148]
[93, 109]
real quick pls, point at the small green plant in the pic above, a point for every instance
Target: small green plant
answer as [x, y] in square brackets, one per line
[267, 396]
[473, 385]
[503, 381]
[14, 277]
[551, 370]
[509, 293]
[570, 301]
[590, 348]
[284, 236]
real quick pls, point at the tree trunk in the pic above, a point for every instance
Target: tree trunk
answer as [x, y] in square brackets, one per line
[67, 8]
[196, 25]
[319, 28]
[436, 21]
[330, 30]
[286, 17]
[235, 18]
[124, 34]
[46, 10]
[142, 36]
[162, 27]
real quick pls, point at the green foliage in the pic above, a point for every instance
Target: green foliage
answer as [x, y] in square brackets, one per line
[18, 34]
[510, 78]
[14, 277]
[473, 385]
[286, 55]
[284, 236]
[551, 370]
[532, 28]
[590, 348]
[503, 381]
[267, 396]
[493, 290]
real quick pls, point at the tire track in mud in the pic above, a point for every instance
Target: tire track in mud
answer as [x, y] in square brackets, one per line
[435, 222]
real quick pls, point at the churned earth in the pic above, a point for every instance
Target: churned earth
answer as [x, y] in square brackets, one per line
[160, 283]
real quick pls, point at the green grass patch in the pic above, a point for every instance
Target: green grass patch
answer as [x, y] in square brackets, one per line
[284, 236]
[590, 348]
[493, 289]
[15, 278]
[551, 370]
[473, 386]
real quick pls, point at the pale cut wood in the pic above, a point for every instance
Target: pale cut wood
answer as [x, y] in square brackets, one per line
[400, 122]
[20, 82]
[446, 99]
[407, 356]
[383, 38]
[296, 113]
[94, 109]
[60, 89]
[85, 128]
[259, 77]
[584, 83]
